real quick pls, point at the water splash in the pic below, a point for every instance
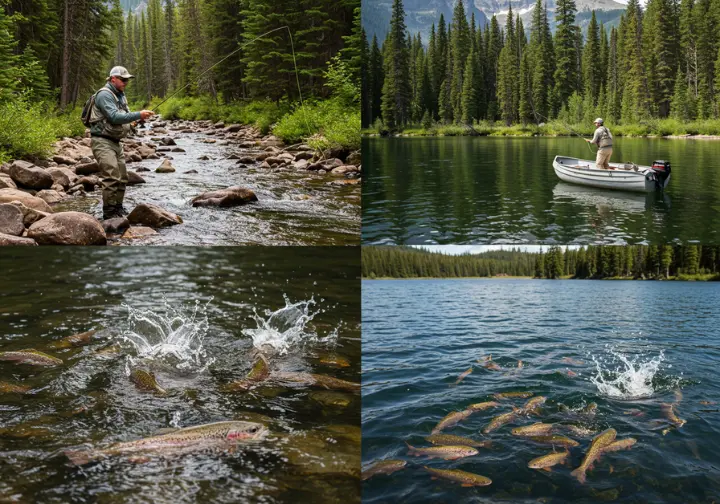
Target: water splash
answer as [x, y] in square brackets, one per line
[287, 327]
[175, 337]
[622, 376]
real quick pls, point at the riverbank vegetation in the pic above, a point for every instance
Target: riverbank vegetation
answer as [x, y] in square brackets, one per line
[55, 54]
[657, 73]
[678, 262]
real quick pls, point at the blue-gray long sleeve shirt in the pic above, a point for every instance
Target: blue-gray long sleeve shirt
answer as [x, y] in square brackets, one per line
[107, 105]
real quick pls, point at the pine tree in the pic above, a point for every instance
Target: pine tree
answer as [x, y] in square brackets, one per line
[494, 46]
[460, 45]
[469, 103]
[565, 53]
[377, 74]
[396, 87]
[591, 62]
[508, 74]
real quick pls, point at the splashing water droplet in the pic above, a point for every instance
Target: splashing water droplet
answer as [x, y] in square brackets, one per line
[176, 336]
[287, 327]
[622, 376]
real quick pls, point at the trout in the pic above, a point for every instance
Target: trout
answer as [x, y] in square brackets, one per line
[319, 381]
[481, 406]
[554, 440]
[512, 395]
[383, 467]
[75, 340]
[598, 443]
[187, 440]
[669, 412]
[620, 444]
[465, 479]
[536, 429]
[451, 419]
[492, 366]
[449, 452]
[32, 357]
[463, 375]
[9, 388]
[499, 421]
[448, 439]
[532, 405]
[260, 371]
[547, 461]
[145, 380]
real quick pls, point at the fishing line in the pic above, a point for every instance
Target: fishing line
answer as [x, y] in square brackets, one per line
[242, 46]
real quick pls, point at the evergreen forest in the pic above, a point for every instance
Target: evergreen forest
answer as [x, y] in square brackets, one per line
[55, 54]
[684, 262]
[657, 72]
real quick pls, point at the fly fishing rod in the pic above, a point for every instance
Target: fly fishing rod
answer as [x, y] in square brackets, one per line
[242, 46]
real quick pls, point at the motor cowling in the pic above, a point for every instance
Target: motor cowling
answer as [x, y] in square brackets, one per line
[661, 169]
[661, 166]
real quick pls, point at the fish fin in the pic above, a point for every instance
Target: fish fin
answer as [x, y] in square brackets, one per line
[165, 430]
[411, 448]
[78, 457]
[611, 469]
[580, 475]
[548, 469]
[466, 485]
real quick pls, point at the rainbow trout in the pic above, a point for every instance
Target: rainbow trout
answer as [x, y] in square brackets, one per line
[145, 380]
[75, 340]
[319, 381]
[444, 452]
[260, 371]
[598, 443]
[499, 421]
[554, 440]
[187, 440]
[547, 461]
[532, 405]
[30, 356]
[466, 479]
[451, 419]
[512, 395]
[449, 439]
[536, 429]
[620, 444]
[9, 388]
[383, 467]
[481, 406]
[669, 412]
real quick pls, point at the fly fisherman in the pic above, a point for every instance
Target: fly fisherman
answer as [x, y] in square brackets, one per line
[111, 123]
[603, 139]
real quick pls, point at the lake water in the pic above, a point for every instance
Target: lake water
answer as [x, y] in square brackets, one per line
[209, 313]
[504, 190]
[627, 346]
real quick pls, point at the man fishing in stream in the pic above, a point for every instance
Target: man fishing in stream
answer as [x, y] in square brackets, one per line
[110, 122]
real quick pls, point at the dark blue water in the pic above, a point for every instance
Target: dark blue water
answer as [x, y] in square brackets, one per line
[420, 335]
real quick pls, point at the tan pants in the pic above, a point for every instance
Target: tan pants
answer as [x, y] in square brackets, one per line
[109, 156]
[602, 160]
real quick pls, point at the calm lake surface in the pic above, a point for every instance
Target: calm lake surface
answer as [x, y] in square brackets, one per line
[627, 346]
[504, 190]
[216, 308]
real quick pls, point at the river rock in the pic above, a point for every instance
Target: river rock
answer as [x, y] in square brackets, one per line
[219, 124]
[68, 228]
[271, 141]
[160, 131]
[232, 196]
[63, 160]
[6, 182]
[50, 197]
[167, 141]
[354, 158]
[352, 181]
[165, 167]
[11, 220]
[142, 169]
[204, 158]
[332, 163]
[153, 216]
[10, 240]
[177, 149]
[134, 157]
[63, 176]
[87, 168]
[344, 169]
[11, 195]
[30, 215]
[189, 172]
[246, 160]
[274, 161]
[134, 178]
[233, 128]
[89, 182]
[115, 225]
[136, 232]
[303, 155]
[28, 175]
[247, 144]
[302, 164]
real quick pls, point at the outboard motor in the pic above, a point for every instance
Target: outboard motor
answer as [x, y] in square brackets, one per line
[662, 172]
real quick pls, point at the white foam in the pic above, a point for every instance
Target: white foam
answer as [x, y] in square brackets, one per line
[624, 377]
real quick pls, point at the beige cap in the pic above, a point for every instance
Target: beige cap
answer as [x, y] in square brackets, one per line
[120, 71]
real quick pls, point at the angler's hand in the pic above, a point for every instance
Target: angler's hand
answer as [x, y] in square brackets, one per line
[146, 114]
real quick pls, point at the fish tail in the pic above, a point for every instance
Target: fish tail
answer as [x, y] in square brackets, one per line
[579, 474]
[412, 449]
[79, 458]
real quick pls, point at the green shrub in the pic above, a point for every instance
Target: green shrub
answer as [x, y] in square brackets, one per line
[29, 129]
[329, 123]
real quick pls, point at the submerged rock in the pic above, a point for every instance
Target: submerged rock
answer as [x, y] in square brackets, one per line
[68, 228]
[136, 232]
[165, 167]
[7, 240]
[232, 196]
[153, 216]
[115, 225]
[134, 178]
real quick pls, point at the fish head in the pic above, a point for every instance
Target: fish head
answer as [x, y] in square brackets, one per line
[247, 431]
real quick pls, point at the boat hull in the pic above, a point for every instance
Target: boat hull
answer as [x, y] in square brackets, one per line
[584, 172]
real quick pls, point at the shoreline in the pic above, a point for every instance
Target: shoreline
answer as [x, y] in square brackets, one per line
[535, 135]
[671, 279]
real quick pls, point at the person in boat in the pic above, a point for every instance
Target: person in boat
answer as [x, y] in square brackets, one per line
[604, 140]
[106, 132]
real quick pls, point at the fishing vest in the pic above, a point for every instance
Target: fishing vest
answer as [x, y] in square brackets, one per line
[101, 126]
[605, 138]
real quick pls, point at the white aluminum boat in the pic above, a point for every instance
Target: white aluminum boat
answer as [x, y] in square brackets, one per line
[624, 176]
